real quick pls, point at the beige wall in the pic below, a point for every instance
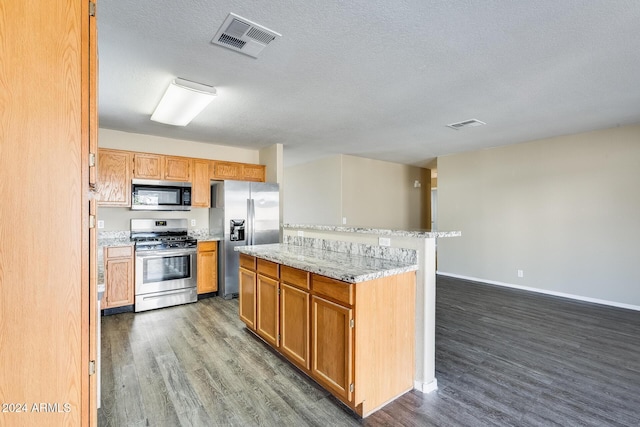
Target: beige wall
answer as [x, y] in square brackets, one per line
[366, 192]
[108, 138]
[564, 210]
[312, 192]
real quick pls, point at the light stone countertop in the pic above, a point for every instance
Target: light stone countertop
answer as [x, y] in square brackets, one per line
[336, 265]
[380, 231]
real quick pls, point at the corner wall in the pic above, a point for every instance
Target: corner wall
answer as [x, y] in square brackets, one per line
[563, 210]
[368, 193]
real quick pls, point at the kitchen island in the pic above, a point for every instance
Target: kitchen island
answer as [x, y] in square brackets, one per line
[345, 320]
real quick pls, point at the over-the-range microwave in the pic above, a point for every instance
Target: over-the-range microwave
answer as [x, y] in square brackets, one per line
[152, 195]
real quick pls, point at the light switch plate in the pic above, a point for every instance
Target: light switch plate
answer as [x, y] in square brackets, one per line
[100, 223]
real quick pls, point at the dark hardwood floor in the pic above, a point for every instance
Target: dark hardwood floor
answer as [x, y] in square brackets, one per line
[504, 357]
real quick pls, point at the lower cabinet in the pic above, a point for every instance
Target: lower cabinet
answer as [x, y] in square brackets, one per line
[356, 340]
[207, 267]
[332, 343]
[118, 277]
[268, 302]
[247, 291]
[294, 324]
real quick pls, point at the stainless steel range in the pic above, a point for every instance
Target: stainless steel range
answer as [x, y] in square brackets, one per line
[165, 263]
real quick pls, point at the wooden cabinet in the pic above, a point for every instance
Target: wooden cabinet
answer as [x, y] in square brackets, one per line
[148, 166]
[201, 186]
[118, 276]
[294, 324]
[177, 168]
[355, 339]
[253, 172]
[332, 344]
[160, 167]
[247, 291]
[48, 122]
[268, 302]
[236, 171]
[114, 178]
[207, 267]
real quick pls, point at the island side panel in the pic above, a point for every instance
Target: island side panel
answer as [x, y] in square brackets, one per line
[385, 340]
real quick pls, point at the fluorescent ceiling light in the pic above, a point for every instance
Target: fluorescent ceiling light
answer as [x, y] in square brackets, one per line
[182, 101]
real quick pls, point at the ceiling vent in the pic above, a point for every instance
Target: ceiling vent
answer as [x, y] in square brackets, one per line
[466, 124]
[244, 36]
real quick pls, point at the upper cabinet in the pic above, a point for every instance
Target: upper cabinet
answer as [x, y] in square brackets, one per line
[177, 168]
[147, 166]
[114, 178]
[117, 167]
[157, 166]
[238, 171]
[200, 190]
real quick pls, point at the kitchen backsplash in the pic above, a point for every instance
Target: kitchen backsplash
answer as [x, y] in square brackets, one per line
[401, 255]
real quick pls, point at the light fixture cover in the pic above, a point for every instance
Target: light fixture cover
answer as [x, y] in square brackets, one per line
[182, 101]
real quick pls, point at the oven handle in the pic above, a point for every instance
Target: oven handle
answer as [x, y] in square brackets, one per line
[164, 254]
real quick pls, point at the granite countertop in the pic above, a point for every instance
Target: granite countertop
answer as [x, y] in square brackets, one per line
[115, 242]
[380, 231]
[207, 238]
[337, 265]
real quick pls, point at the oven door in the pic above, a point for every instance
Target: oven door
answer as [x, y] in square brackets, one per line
[158, 271]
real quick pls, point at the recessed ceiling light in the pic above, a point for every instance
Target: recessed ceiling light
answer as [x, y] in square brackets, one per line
[471, 123]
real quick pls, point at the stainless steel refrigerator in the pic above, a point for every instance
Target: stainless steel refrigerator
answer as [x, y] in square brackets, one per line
[242, 213]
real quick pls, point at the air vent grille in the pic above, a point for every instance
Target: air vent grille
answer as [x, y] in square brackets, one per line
[466, 124]
[244, 36]
[232, 41]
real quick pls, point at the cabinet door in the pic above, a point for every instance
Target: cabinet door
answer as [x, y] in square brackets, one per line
[207, 269]
[147, 166]
[267, 325]
[332, 346]
[225, 170]
[253, 173]
[114, 178]
[201, 187]
[294, 324]
[177, 168]
[247, 297]
[118, 282]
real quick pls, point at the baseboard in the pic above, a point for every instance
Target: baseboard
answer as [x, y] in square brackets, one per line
[426, 387]
[543, 291]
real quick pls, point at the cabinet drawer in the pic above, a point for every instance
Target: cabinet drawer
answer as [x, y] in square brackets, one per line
[119, 252]
[294, 277]
[207, 246]
[248, 262]
[332, 289]
[268, 268]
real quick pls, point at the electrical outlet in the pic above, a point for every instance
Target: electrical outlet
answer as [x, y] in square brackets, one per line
[384, 241]
[193, 222]
[344, 220]
[300, 233]
[100, 223]
[520, 273]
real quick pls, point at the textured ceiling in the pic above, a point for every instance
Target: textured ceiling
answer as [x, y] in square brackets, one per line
[376, 78]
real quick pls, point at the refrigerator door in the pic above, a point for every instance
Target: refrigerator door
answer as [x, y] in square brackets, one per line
[265, 219]
[236, 196]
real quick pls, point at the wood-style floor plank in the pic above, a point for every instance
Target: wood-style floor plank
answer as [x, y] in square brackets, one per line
[503, 358]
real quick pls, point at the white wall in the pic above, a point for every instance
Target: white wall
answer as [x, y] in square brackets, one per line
[565, 210]
[108, 138]
[368, 193]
